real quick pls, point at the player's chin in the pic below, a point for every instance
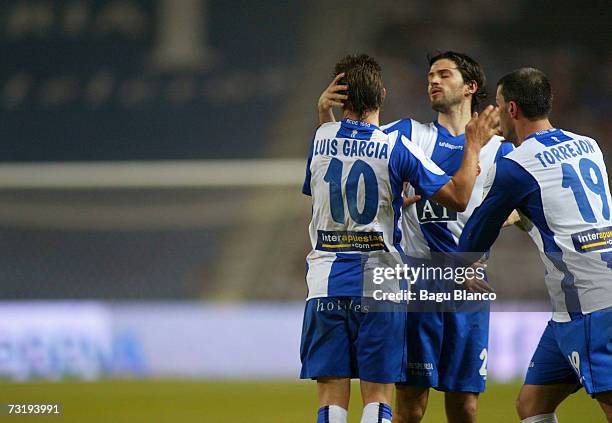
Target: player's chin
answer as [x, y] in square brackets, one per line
[439, 105]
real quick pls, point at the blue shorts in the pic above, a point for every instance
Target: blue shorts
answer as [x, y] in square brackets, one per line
[447, 350]
[340, 338]
[576, 352]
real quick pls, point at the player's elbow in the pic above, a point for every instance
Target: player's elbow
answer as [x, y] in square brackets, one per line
[452, 197]
[460, 199]
[451, 200]
[460, 204]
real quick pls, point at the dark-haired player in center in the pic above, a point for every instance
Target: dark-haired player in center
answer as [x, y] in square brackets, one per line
[446, 350]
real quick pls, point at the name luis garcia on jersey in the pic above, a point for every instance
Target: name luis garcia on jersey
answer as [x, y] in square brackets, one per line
[351, 148]
[565, 152]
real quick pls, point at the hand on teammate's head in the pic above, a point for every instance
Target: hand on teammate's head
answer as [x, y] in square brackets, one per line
[334, 95]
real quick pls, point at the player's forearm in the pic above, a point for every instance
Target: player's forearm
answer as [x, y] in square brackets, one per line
[462, 183]
[326, 116]
[467, 173]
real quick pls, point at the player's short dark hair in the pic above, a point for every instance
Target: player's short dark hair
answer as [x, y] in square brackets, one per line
[470, 70]
[363, 75]
[530, 89]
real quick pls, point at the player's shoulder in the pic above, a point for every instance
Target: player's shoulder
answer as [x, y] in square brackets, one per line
[406, 127]
[576, 136]
[329, 126]
[497, 143]
[573, 135]
[496, 140]
[503, 146]
[496, 148]
[525, 151]
[403, 125]
[327, 129]
[511, 175]
[404, 147]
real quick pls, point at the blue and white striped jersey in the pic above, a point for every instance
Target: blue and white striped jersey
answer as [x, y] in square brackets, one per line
[557, 180]
[429, 227]
[355, 175]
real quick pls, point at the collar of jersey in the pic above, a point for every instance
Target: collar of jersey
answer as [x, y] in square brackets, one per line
[546, 132]
[442, 130]
[360, 126]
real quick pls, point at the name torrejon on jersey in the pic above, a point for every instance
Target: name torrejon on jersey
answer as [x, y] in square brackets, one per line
[565, 152]
[351, 148]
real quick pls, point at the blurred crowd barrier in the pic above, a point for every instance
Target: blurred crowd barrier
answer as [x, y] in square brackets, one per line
[86, 340]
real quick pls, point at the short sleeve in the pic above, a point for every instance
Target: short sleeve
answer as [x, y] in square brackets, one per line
[412, 165]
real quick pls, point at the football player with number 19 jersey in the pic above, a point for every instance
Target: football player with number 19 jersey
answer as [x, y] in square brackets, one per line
[558, 181]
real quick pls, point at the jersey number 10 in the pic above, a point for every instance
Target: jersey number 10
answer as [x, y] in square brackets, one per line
[572, 180]
[333, 177]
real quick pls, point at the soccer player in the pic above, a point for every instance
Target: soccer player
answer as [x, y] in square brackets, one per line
[446, 350]
[558, 181]
[355, 174]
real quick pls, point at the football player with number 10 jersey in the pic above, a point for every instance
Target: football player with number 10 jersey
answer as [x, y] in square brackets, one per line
[445, 350]
[355, 175]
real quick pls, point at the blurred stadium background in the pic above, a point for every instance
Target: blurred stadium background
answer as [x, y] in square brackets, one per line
[151, 220]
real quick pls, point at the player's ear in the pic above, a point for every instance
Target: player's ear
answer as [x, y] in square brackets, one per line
[472, 87]
[384, 94]
[513, 109]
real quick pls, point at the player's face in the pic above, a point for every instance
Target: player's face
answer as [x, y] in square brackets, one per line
[505, 120]
[445, 86]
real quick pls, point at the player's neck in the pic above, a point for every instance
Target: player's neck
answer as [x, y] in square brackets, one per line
[369, 117]
[455, 119]
[528, 127]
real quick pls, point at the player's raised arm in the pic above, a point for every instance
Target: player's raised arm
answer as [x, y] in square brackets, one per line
[333, 96]
[479, 130]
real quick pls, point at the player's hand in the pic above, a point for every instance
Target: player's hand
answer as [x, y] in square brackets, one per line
[524, 224]
[331, 97]
[477, 284]
[513, 219]
[409, 199]
[483, 126]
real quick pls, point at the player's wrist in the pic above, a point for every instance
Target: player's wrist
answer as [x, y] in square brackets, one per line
[473, 144]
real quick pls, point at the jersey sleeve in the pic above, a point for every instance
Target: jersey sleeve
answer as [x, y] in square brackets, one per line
[306, 187]
[412, 165]
[511, 185]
